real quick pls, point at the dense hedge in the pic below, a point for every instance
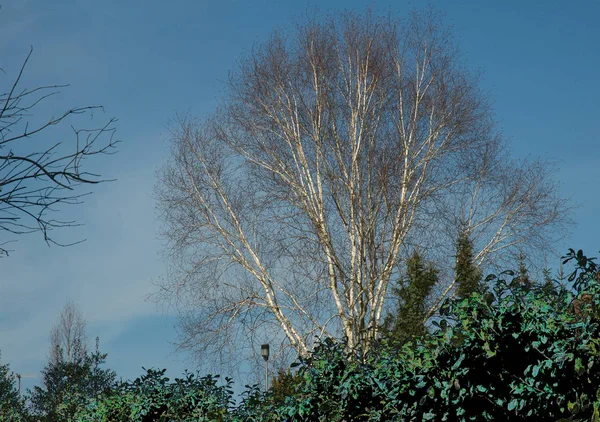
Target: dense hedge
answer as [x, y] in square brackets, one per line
[152, 398]
[512, 353]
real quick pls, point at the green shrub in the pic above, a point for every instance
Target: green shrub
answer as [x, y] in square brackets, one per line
[153, 398]
[512, 353]
[515, 352]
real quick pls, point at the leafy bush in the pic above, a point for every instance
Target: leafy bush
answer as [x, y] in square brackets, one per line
[153, 398]
[512, 353]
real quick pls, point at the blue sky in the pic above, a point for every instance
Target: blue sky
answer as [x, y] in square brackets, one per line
[144, 61]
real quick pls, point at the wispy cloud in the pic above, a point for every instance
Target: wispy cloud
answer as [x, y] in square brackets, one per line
[108, 276]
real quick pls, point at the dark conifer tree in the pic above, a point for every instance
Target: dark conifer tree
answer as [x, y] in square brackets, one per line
[411, 293]
[468, 275]
[523, 273]
[548, 285]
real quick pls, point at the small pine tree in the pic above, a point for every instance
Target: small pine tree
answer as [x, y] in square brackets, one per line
[523, 274]
[411, 293]
[99, 381]
[548, 286]
[561, 277]
[468, 275]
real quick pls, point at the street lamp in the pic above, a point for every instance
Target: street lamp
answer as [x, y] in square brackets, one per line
[264, 351]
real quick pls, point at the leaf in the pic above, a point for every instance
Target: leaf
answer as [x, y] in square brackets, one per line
[596, 415]
[573, 407]
[579, 368]
[458, 362]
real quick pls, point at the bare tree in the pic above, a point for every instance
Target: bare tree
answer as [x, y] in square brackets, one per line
[37, 175]
[335, 152]
[68, 337]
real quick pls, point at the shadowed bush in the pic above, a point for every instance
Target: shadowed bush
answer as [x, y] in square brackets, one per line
[512, 353]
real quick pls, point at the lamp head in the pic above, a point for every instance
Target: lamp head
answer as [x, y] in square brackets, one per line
[264, 351]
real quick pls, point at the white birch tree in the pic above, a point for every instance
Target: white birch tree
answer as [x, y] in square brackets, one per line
[336, 149]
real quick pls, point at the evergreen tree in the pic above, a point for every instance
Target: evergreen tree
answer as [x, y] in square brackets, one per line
[561, 277]
[68, 385]
[548, 286]
[411, 292]
[72, 376]
[468, 275]
[523, 273]
[11, 405]
[101, 380]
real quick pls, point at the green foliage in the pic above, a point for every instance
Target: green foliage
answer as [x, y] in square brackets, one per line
[97, 380]
[512, 354]
[8, 393]
[12, 407]
[284, 385]
[153, 398]
[70, 386]
[515, 352]
[468, 275]
[411, 293]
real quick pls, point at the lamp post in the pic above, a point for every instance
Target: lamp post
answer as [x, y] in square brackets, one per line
[264, 351]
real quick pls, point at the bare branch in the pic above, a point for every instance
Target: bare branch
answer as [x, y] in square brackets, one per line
[33, 184]
[68, 338]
